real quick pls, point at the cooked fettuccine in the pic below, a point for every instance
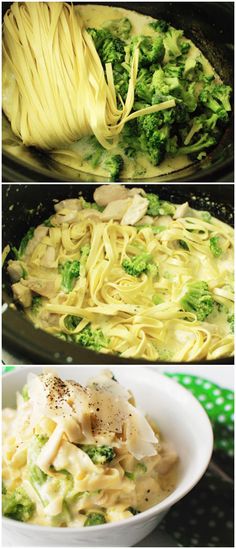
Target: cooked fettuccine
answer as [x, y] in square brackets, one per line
[81, 456]
[130, 274]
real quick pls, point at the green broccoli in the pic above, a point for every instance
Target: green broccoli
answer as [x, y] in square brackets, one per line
[215, 248]
[111, 49]
[139, 470]
[48, 222]
[216, 97]
[137, 265]
[23, 245]
[143, 87]
[63, 517]
[114, 165]
[121, 28]
[4, 490]
[157, 207]
[164, 83]
[99, 454]
[157, 299]
[94, 519]
[36, 304]
[198, 300]
[172, 42]
[36, 476]
[70, 271]
[203, 143]
[159, 25]
[151, 49]
[17, 505]
[133, 510]
[93, 339]
[25, 392]
[154, 229]
[90, 205]
[230, 320]
[152, 139]
[71, 322]
[84, 253]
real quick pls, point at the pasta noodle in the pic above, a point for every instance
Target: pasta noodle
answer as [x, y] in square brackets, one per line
[134, 315]
[111, 469]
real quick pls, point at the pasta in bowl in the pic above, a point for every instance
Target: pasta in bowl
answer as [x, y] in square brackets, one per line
[130, 274]
[182, 423]
[82, 456]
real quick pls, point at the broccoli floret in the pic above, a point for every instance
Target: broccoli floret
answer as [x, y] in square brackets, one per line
[157, 207]
[139, 470]
[99, 454]
[20, 252]
[84, 253]
[157, 299]
[230, 320]
[202, 122]
[110, 48]
[137, 265]
[133, 510]
[172, 42]
[152, 139]
[93, 339]
[215, 248]
[151, 49]
[71, 322]
[164, 83]
[185, 47]
[120, 28]
[25, 392]
[114, 165]
[204, 142]
[189, 97]
[17, 505]
[143, 87]
[36, 304]
[70, 270]
[217, 98]
[160, 25]
[94, 519]
[198, 300]
[90, 205]
[63, 517]
[35, 474]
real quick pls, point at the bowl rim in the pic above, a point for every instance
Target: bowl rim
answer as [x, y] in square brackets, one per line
[165, 504]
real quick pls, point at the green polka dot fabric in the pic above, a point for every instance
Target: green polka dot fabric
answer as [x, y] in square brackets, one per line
[205, 517]
[219, 406]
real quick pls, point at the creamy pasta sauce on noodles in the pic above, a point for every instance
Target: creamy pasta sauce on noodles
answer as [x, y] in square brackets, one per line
[131, 275]
[81, 456]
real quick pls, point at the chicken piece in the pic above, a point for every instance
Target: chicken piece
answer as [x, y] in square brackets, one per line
[49, 319]
[167, 458]
[136, 210]
[116, 209]
[22, 294]
[105, 194]
[91, 213]
[40, 232]
[64, 216]
[47, 260]
[43, 287]
[182, 210]
[15, 270]
[146, 220]
[162, 221]
[69, 204]
[136, 190]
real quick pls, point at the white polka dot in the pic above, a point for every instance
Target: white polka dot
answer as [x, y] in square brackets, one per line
[216, 392]
[207, 385]
[221, 418]
[228, 407]
[193, 521]
[219, 400]
[223, 443]
[229, 524]
[209, 406]
[200, 511]
[212, 487]
[202, 397]
[221, 514]
[232, 417]
[194, 541]
[187, 380]
[230, 396]
[198, 381]
[230, 452]
[211, 523]
[215, 538]
[177, 535]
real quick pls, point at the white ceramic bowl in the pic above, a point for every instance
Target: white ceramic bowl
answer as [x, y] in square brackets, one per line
[181, 419]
